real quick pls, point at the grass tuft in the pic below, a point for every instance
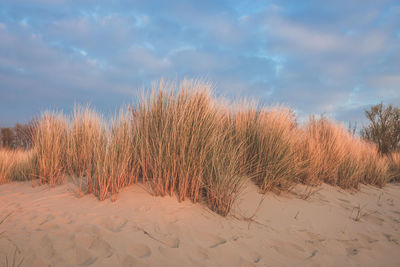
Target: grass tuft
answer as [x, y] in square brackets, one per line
[16, 165]
[50, 145]
[394, 167]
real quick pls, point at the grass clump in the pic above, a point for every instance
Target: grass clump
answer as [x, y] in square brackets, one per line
[16, 165]
[269, 147]
[175, 131]
[86, 136]
[333, 155]
[225, 178]
[375, 167]
[50, 147]
[116, 159]
[182, 146]
[394, 167]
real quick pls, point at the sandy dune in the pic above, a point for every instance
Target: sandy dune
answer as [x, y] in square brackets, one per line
[53, 227]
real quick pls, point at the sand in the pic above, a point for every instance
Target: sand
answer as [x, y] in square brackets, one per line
[54, 227]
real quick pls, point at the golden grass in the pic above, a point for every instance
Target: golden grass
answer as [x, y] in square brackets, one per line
[334, 156]
[180, 140]
[394, 163]
[175, 130]
[269, 146]
[86, 137]
[16, 165]
[116, 157]
[50, 146]
[182, 144]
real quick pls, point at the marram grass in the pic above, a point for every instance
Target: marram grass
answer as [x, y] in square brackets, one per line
[180, 140]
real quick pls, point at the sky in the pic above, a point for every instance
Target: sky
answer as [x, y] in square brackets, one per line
[317, 57]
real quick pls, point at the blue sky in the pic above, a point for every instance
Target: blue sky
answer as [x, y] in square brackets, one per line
[332, 57]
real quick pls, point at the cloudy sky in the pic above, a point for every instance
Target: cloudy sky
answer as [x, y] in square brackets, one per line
[332, 57]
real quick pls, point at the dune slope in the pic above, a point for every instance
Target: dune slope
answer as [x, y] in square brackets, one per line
[40, 226]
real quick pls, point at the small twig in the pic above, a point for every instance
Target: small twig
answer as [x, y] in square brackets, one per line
[309, 192]
[359, 215]
[296, 215]
[251, 218]
[258, 207]
[8, 215]
[154, 238]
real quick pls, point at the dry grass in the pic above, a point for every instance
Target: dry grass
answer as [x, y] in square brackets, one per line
[374, 166]
[225, 178]
[335, 156]
[50, 146]
[180, 140]
[183, 146]
[86, 137]
[117, 164]
[269, 145]
[16, 165]
[175, 130]
[394, 163]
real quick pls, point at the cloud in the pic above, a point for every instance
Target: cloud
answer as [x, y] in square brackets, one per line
[315, 57]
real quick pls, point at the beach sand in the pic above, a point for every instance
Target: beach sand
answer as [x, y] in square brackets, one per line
[42, 226]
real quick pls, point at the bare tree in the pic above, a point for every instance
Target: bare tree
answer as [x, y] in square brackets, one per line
[383, 128]
[7, 137]
[24, 134]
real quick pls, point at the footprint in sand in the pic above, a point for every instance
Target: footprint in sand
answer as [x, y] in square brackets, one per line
[114, 223]
[139, 250]
[79, 256]
[85, 239]
[86, 235]
[89, 236]
[62, 240]
[102, 248]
